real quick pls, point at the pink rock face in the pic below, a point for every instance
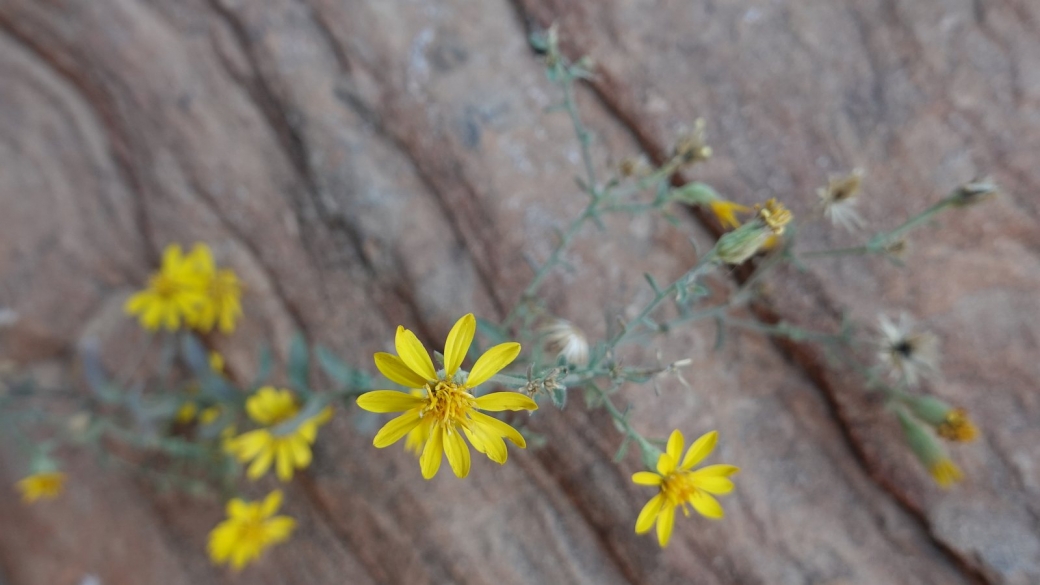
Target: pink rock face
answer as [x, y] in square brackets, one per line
[368, 164]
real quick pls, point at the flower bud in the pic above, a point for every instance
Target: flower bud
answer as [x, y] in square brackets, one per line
[974, 192]
[929, 452]
[740, 244]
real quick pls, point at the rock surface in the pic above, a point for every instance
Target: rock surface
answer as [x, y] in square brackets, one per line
[365, 164]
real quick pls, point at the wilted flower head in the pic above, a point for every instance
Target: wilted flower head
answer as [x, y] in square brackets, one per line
[775, 215]
[908, 354]
[974, 192]
[693, 146]
[838, 200]
[952, 424]
[703, 195]
[929, 452]
[563, 338]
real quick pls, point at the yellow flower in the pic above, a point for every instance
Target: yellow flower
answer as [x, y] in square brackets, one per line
[288, 450]
[175, 293]
[726, 212]
[445, 406]
[945, 473]
[957, 427]
[680, 486]
[223, 294]
[775, 215]
[251, 528]
[41, 486]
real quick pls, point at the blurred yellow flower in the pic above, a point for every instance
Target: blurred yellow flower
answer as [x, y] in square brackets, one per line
[680, 486]
[223, 294]
[250, 529]
[945, 473]
[174, 294]
[444, 409]
[288, 449]
[41, 486]
[957, 427]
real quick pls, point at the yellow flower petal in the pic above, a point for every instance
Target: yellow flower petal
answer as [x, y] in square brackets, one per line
[396, 371]
[498, 401]
[396, 428]
[430, 460]
[492, 362]
[388, 401]
[261, 464]
[459, 340]
[271, 503]
[648, 514]
[665, 522]
[713, 484]
[700, 449]
[414, 355]
[279, 529]
[665, 464]
[491, 445]
[707, 506]
[495, 427]
[301, 452]
[675, 445]
[647, 478]
[284, 460]
[720, 470]
[457, 451]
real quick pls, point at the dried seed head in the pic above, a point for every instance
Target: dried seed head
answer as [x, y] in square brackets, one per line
[908, 354]
[565, 339]
[838, 200]
[974, 192]
[693, 146]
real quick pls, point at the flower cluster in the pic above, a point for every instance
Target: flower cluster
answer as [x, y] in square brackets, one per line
[188, 290]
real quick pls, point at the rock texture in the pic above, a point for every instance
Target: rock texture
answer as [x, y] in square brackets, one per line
[365, 164]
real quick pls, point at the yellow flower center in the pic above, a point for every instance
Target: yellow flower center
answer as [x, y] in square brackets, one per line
[253, 533]
[447, 402]
[678, 487]
[164, 286]
[775, 215]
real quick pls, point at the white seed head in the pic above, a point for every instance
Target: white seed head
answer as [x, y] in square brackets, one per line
[564, 338]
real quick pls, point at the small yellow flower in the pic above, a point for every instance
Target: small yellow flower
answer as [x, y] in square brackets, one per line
[265, 446]
[250, 529]
[223, 294]
[957, 427]
[945, 473]
[186, 413]
[41, 486]
[175, 293]
[679, 485]
[726, 212]
[445, 409]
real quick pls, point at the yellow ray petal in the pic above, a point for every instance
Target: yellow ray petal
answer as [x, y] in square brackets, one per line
[675, 444]
[492, 362]
[457, 451]
[284, 460]
[719, 470]
[396, 428]
[459, 340]
[713, 484]
[271, 503]
[495, 427]
[647, 478]
[491, 445]
[388, 401]
[395, 370]
[279, 529]
[430, 460]
[261, 464]
[498, 401]
[648, 514]
[665, 522]
[705, 504]
[700, 449]
[414, 355]
[665, 464]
